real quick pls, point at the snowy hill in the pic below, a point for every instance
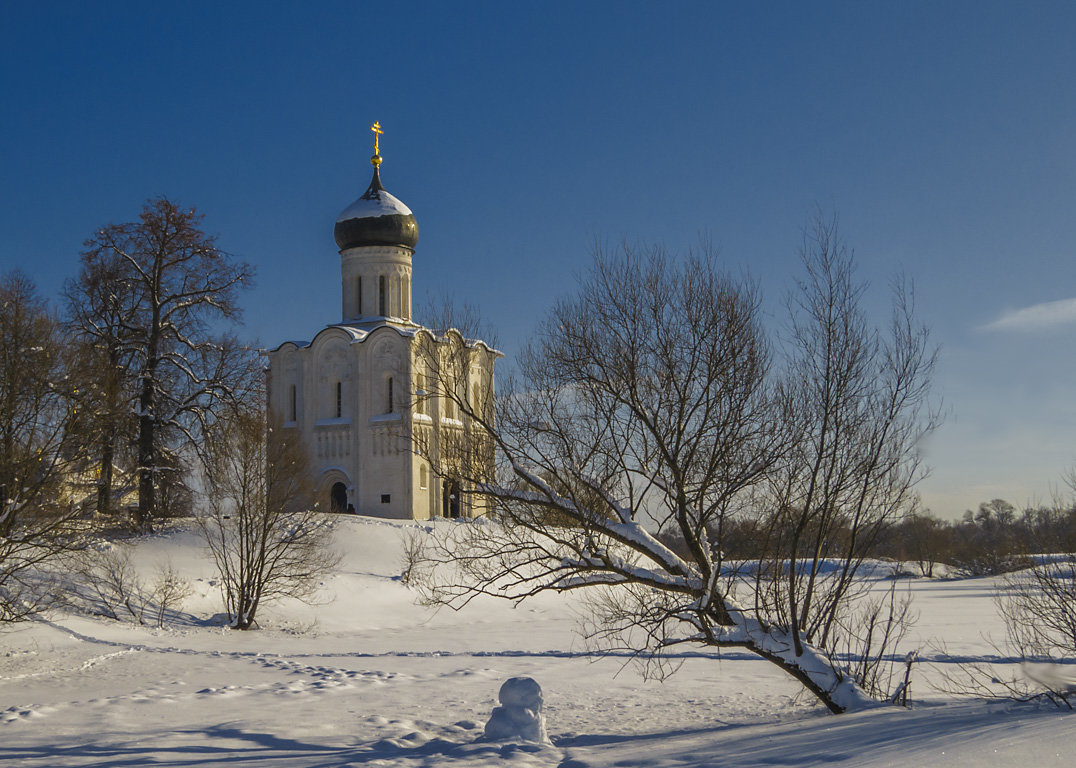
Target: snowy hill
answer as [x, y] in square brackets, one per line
[366, 677]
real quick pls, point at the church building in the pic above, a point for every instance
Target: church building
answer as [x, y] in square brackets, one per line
[384, 406]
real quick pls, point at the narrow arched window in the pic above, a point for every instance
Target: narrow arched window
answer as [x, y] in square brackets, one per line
[292, 409]
[390, 396]
[358, 297]
[423, 478]
[381, 295]
[339, 399]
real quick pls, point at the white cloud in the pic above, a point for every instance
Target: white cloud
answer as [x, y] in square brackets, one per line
[1037, 317]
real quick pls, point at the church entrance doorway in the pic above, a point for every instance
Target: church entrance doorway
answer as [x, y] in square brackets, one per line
[338, 498]
[451, 501]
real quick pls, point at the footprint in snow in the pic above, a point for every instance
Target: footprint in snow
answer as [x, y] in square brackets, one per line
[15, 714]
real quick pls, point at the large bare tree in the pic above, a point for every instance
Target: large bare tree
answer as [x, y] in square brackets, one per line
[653, 401]
[35, 449]
[180, 287]
[103, 322]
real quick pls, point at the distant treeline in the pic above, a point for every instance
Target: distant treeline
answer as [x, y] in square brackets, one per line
[995, 538]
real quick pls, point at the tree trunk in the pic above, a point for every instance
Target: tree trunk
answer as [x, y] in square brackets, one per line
[147, 437]
[104, 480]
[805, 679]
[146, 463]
[117, 411]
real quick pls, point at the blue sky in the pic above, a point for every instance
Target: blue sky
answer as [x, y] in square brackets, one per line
[944, 134]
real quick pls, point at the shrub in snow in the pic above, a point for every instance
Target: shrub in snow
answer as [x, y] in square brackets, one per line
[412, 560]
[1038, 606]
[104, 581]
[520, 714]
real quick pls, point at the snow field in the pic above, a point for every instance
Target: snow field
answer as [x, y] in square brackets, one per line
[366, 677]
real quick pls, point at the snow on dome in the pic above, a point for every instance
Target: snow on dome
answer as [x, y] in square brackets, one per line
[381, 204]
[376, 218]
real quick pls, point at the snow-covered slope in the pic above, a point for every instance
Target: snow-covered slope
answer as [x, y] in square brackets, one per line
[366, 677]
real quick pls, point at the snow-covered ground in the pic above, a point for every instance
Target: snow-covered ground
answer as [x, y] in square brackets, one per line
[370, 678]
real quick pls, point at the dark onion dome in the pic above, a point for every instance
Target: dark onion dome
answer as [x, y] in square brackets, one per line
[376, 218]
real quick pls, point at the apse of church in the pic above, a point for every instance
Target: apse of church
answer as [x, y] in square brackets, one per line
[379, 434]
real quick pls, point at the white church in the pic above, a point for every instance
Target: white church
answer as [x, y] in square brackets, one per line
[370, 394]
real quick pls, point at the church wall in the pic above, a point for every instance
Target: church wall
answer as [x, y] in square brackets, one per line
[424, 483]
[362, 438]
[384, 463]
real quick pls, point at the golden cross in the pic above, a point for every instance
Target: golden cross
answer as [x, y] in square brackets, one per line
[376, 128]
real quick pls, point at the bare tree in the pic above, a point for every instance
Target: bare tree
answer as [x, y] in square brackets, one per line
[855, 401]
[650, 401]
[103, 322]
[266, 537]
[179, 283]
[35, 453]
[926, 540]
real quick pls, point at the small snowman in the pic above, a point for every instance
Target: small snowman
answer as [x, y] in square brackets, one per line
[520, 714]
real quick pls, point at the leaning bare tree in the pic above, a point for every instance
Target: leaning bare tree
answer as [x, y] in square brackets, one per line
[650, 402]
[35, 451]
[854, 401]
[266, 537]
[182, 286]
